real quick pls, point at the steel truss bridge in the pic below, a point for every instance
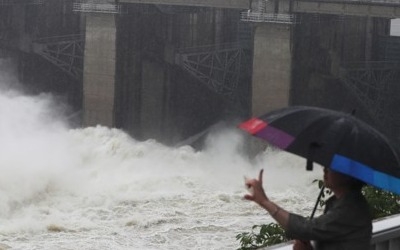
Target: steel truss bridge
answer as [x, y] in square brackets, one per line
[219, 67]
[373, 83]
[65, 52]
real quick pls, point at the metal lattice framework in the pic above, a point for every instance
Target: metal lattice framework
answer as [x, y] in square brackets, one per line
[371, 83]
[66, 52]
[218, 67]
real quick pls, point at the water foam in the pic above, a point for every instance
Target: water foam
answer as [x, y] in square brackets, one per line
[98, 188]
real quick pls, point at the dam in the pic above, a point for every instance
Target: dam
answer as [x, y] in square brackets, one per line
[169, 70]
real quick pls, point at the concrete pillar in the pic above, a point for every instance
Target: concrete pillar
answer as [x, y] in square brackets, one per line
[99, 70]
[272, 67]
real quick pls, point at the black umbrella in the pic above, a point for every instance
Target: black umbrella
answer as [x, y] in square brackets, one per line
[333, 139]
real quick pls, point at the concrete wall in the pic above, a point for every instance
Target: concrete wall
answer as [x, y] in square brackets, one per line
[19, 37]
[325, 43]
[156, 96]
[99, 70]
[148, 84]
[272, 67]
[325, 46]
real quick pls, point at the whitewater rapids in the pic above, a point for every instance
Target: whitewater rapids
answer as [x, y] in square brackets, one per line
[98, 188]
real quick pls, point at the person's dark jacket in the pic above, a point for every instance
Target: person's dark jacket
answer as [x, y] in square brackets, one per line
[345, 225]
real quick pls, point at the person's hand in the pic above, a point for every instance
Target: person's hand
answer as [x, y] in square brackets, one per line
[257, 192]
[302, 245]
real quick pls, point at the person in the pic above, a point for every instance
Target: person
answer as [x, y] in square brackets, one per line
[345, 224]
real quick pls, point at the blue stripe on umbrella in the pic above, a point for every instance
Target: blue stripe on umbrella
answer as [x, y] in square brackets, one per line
[367, 174]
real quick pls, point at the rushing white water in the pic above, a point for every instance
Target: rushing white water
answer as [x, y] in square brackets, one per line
[97, 188]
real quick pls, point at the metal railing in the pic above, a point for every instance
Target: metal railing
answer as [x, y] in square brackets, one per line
[96, 7]
[14, 2]
[385, 235]
[391, 2]
[260, 17]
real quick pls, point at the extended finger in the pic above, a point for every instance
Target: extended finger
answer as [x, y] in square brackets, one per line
[260, 176]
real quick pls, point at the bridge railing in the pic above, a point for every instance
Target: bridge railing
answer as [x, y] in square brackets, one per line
[385, 235]
[13, 2]
[96, 7]
[392, 2]
[258, 17]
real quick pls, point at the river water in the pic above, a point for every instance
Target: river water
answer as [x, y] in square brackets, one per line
[97, 188]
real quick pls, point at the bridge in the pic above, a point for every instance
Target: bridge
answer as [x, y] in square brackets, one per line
[235, 4]
[377, 8]
[220, 44]
[371, 8]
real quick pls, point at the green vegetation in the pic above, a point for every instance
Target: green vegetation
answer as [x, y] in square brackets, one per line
[268, 235]
[382, 204]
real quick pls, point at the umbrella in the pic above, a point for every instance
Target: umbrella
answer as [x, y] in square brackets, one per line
[333, 139]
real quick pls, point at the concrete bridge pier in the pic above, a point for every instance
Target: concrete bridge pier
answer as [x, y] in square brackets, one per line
[99, 70]
[272, 67]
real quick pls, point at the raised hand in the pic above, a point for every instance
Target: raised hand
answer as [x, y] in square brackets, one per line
[257, 193]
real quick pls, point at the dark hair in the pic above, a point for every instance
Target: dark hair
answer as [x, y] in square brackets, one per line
[356, 184]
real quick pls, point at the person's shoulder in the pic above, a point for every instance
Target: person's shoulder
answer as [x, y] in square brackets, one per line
[352, 200]
[358, 203]
[354, 195]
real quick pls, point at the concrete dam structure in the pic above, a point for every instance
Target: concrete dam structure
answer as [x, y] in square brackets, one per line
[170, 69]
